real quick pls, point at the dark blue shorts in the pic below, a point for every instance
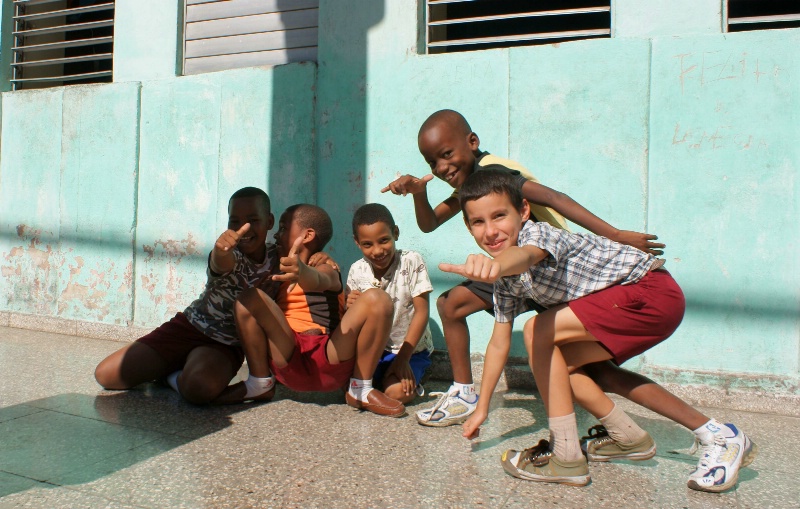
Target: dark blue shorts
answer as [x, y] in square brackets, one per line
[419, 363]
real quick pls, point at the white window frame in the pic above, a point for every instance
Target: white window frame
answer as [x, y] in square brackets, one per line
[230, 34]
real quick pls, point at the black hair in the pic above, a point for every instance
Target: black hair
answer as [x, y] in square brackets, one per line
[252, 192]
[485, 182]
[372, 213]
[451, 118]
[311, 216]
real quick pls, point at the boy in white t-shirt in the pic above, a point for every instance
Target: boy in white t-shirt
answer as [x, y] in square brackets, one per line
[403, 275]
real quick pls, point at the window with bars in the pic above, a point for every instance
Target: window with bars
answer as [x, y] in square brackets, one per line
[242, 33]
[62, 42]
[762, 14]
[466, 25]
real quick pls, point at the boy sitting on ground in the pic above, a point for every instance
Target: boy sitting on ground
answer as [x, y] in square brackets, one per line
[198, 349]
[606, 301]
[301, 339]
[403, 275]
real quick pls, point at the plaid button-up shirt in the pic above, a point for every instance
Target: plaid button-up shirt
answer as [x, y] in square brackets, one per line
[579, 264]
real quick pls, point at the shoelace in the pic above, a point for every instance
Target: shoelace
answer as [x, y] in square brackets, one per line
[598, 434]
[444, 396]
[539, 454]
[708, 451]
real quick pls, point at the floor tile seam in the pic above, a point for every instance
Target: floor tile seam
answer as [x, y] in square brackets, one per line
[38, 411]
[21, 476]
[128, 426]
[72, 488]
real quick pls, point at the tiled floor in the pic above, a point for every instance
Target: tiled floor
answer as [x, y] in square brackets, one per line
[66, 443]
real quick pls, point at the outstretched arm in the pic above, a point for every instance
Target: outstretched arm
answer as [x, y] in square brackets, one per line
[514, 260]
[428, 217]
[495, 361]
[575, 212]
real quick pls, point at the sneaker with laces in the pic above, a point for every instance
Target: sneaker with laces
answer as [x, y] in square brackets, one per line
[721, 457]
[540, 464]
[450, 409]
[599, 446]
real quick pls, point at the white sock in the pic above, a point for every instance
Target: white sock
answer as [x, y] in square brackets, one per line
[466, 392]
[257, 386]
[359, 389]
[172, 380]
[706, 432]
[565, 441]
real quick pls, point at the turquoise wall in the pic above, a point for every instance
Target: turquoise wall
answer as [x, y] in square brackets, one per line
[112, 195]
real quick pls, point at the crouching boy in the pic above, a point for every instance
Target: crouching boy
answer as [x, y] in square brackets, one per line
[606, 301]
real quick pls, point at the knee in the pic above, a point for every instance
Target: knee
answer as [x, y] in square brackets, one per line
[449, 306]
[197, 390]
[395, 391]
[378, 301]
[527, 336]
[102, 374]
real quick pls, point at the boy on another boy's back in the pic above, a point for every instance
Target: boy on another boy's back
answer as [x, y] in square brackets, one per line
[452, 150]
[404, 276]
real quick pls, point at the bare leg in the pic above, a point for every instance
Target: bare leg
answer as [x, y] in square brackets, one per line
[130, 366]
[643, 391]
[265, 334]
[362, 333]
[393, 388]
[454, 308]
[205, 375]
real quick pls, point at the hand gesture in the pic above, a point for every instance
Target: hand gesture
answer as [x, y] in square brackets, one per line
[351, 298]
[641, 241]
[472, 427]
[321, 258]
[230, 238]
[291, 265]
[478, 267]
[402, 371]
[408, 184]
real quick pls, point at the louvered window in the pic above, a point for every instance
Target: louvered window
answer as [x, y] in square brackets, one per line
[62, 42]
[227, 34]
[465, 25]
[762, 14]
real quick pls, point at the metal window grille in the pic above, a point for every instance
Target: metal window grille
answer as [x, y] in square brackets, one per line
[230, 34]
[762, 14]
[466, 25]
[62, 42]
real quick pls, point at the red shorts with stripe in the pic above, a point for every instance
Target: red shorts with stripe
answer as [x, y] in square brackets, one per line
[631, 319]
[309, 370]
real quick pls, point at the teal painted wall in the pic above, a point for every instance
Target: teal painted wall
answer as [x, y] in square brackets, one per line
[670, 127]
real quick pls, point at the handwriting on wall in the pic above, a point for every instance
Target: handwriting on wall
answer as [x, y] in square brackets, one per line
[708, 67]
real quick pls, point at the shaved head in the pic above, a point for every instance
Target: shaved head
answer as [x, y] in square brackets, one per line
[453, 120]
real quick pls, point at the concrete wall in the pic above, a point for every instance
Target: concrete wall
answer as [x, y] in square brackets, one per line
[112, 195]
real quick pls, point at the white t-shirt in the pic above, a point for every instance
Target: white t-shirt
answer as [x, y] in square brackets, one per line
[406, 278]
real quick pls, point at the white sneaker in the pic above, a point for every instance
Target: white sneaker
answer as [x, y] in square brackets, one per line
[720, 460]
[450, 409]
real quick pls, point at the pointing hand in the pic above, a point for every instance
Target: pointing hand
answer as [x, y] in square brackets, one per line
[408, 184]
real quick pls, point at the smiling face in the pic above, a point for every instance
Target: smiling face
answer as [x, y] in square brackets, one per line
[449, 151]
[253, 210]
[494, 222]
[376, 242]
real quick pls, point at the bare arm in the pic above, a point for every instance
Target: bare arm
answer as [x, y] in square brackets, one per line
[428, 217]
[496, 356]
[575, 212]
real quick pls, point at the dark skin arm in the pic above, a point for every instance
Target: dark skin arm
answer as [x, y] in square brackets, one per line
[575, 212]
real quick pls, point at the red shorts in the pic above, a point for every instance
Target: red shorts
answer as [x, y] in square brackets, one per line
[630, 319]
[309, 370]
[173, 340]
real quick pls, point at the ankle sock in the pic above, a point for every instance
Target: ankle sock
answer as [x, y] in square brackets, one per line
[706, 432]
[466, 392]
[564, 437]
[621, 427]
[359, 389]
[256, 386]
[172, 380]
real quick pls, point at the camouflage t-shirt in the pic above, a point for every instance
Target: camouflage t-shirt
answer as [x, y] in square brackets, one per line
[212, 312]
